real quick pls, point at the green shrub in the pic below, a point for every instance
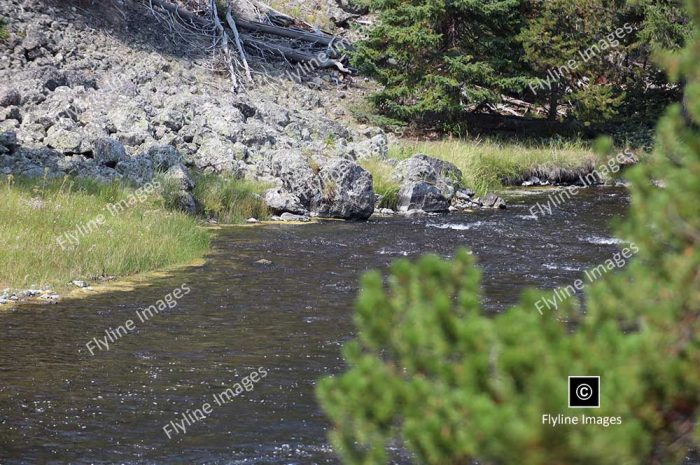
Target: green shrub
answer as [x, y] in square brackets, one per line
[431, 371]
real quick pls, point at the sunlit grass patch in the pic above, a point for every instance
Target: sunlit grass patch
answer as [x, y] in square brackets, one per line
[56, 231]
[230, 200]
[486, 163]
[384, 185]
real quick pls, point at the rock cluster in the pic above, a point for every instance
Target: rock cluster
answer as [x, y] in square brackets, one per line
[148, 104]
[432, 185]
[116, 110]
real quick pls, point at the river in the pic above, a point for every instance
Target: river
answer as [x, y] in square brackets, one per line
[60, 404]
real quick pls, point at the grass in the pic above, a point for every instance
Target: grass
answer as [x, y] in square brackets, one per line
[142, 237]
[230, 200]
[4, 33]
[485, 164]
[148, 235]
[384, 185]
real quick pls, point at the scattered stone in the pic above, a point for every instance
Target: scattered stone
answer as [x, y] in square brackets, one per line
[491, 200]
[79, 283]
[252, 220]
[263, 261]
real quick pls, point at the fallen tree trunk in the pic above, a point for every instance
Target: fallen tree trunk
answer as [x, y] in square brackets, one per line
[255, 26]
[322, 59]
[296, 55]
[239, 45]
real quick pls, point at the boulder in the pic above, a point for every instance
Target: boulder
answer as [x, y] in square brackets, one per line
[181, 176]
[279, 201]
[297, 175]
[67, 138]
[491, 200]
[445, 176]
[164, 157]
[215, 155]
[109, 152]
[9, 97]
[422, 196]
[8, 141]
[138, 169]
[347, 190]
[376, 147]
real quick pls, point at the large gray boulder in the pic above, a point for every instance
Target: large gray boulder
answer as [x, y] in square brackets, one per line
[164, 157]
[138, 169]
[347, 190]
[109, 152]
[422, 196]
[331, 188]
[423, 168]
[297, 175]
[9, 97]
[215, 155]
[280, 201]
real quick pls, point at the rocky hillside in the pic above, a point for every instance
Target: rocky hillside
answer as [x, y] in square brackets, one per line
[107, 91]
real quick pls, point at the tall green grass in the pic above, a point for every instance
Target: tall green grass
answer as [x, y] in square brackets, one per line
[4, 33]
[230, 200]
[383, 183]
[486, 163]
[142, 237]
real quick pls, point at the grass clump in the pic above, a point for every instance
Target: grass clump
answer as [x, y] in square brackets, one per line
[56, 231]
[384, 184]
[4, 32]
[485, 164]
[228, 199]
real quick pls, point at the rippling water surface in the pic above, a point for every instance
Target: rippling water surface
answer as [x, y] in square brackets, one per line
[58, 404]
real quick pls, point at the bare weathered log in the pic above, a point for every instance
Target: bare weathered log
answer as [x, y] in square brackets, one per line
[237, 38]
[255, 26]
[320, 60]
[224, 44]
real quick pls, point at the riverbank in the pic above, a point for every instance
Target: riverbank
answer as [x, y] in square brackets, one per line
[65, 233]
[487, 165]
[60, 234]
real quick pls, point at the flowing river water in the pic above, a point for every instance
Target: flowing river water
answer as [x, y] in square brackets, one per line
[60, 404]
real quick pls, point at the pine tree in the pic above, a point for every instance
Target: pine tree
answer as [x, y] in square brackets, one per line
[432, 372]
[435, 58]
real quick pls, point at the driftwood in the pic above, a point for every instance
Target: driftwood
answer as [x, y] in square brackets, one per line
[297, 34]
